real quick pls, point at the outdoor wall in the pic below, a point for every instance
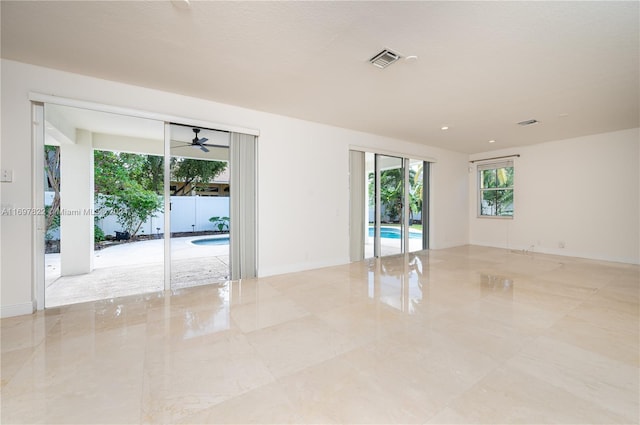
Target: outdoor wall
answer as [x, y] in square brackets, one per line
[580, 193]
[189, 213]
[303, 167]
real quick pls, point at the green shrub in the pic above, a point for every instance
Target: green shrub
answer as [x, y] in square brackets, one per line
[98, 234]
[220, 222]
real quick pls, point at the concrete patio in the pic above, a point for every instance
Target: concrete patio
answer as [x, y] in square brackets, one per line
[137, 267]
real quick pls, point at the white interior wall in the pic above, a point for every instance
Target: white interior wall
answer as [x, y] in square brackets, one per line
[302, 173]
[582, 193]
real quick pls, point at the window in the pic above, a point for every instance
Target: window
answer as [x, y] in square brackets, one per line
[496, 189]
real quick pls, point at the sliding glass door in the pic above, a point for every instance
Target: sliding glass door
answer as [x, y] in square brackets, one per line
[134, 205]
[199, 203]
[417, 187]
[389, 225]
[389, 198]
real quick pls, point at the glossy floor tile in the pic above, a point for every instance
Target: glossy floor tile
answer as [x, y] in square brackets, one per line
[461, 335]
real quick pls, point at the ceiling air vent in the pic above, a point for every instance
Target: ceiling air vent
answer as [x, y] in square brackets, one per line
[384, 58]
[528, 122]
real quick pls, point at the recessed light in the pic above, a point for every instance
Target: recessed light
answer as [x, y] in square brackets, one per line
[492, 141]
[444, 128]
[411, 58]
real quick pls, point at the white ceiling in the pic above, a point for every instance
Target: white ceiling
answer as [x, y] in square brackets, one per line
[481, 68]
[107, 123]
[63, 121]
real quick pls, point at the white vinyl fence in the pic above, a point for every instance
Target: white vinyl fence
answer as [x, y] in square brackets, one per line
[189, 214]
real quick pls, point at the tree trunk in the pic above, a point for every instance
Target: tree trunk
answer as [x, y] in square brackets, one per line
[53, 173]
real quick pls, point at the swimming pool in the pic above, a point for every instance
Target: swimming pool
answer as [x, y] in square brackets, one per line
[212, 241]
[394, 233]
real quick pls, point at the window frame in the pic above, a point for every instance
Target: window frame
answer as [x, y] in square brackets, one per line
[495, 165]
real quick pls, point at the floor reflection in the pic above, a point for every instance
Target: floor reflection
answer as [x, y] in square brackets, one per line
[430, 337]
[491, 284]
[398, 284]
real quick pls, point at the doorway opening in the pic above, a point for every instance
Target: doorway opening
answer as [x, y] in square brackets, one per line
[389, 197]
[199, 204]
[107, 186]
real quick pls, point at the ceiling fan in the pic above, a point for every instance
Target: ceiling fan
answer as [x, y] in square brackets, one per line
[199, 142]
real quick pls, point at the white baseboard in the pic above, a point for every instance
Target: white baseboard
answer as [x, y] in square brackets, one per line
[561, 252]
[299, 267]
[17, 309]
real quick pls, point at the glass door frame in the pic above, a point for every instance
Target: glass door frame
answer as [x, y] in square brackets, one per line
[216, 150]
[364, 172]
[167, 206]
[377, 238]
[38, 102]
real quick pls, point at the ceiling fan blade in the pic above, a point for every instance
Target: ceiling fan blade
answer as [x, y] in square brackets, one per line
[203, 140]
[204, 149]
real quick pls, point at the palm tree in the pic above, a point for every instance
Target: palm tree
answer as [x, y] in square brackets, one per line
[391, 187]
[415, 190]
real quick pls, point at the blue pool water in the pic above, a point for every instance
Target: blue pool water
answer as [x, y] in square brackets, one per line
[212, 241]
[394, 233]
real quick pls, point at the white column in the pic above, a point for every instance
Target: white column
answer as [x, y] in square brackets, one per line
[76, 205]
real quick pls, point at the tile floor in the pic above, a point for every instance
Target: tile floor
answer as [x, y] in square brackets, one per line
[461, 335]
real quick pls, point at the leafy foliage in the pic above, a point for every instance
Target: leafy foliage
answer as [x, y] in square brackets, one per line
[124, 185]
[190, 172]
[98, 234]
[153, 173]
[496, 191]
[52, 170]
[220, 222]
[130, 186]
[391, 188]
[54, 216]
[415, 190]
[114, 169]
[131, 204]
